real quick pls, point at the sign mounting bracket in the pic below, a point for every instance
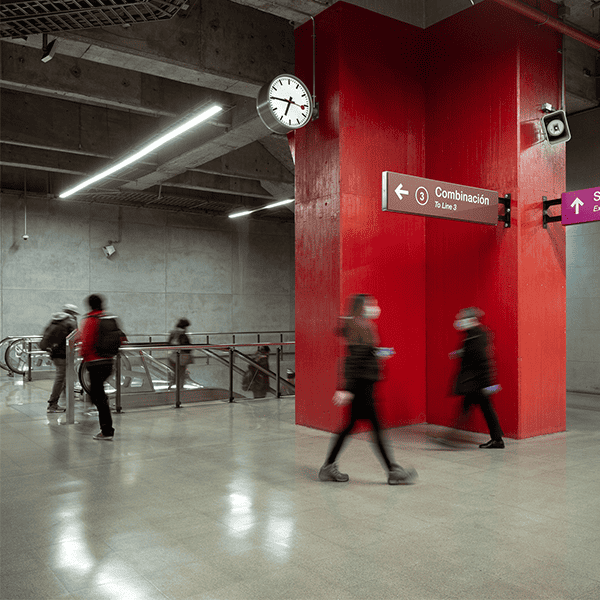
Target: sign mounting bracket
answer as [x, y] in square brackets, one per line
[546, 204]
[505, 218]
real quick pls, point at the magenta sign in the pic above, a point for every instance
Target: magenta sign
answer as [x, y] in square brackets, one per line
[581, 206]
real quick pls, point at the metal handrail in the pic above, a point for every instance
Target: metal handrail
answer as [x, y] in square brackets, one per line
[128, 346]
[208, 334]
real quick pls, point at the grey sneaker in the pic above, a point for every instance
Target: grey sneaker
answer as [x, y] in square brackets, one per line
[331, 473]
[400, 476]
[55, 408]
[101, 436]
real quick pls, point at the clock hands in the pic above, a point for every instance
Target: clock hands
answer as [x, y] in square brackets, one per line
[290, 101]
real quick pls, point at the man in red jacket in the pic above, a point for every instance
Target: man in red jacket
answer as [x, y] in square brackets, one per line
[99, 368]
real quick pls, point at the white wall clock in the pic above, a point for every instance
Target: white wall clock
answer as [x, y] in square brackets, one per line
[284, 104]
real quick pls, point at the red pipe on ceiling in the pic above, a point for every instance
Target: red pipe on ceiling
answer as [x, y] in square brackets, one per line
[543, 19]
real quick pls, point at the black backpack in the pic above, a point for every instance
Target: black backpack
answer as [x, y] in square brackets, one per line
[54, 335]
[109, 336]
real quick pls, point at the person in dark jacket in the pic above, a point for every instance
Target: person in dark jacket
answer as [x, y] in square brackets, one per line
[98, 367]
[54, 342]
[179, 337]
[361, 372]
[475, 380]
[259, 381]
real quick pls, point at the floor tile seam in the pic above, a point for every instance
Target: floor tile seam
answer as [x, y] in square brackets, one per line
[125, 581]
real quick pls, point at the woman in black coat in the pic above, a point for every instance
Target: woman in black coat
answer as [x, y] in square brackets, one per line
[475, 379]
[361, 372]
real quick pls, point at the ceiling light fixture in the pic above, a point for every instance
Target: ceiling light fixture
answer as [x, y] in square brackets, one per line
[281, 203]
[203, 116]
[241, 214]
[249, 212]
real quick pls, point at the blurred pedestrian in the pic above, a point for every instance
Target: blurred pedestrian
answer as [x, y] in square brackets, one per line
[179, 337]
[475, 379]
[257, 381]
[101, 338]
[361, 372]
[54, 342]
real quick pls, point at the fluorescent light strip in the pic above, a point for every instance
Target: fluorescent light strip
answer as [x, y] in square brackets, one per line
[241, 214]
[203, 116]
[280, 203]
[244, 213]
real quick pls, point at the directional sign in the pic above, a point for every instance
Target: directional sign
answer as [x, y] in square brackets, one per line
[419, 196]
[581, 206]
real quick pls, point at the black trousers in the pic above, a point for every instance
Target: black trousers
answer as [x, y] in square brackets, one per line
[362, 408]
[484, 402]
[98, 375]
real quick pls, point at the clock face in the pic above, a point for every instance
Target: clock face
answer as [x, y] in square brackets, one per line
[285, 104]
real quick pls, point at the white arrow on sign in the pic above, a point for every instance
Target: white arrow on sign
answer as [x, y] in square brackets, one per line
[400, 192]
[577, 203]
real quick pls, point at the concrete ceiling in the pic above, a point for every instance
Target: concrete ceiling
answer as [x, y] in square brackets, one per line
[108, 90]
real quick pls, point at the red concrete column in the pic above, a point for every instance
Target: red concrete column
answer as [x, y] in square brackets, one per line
[496, 69]
[460, 103]
[369, 71]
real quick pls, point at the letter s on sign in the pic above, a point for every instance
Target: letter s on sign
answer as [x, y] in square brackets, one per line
[597, 196]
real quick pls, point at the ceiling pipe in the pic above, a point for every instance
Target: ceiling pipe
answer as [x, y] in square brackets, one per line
[543, 19]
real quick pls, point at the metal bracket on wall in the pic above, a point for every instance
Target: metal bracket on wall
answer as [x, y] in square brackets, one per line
[546, 207]
[505, 218]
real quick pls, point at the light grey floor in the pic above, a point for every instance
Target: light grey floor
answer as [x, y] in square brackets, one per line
[222, 502]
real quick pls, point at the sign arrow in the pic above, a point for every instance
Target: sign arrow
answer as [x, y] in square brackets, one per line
[577, 203]
[400, 192]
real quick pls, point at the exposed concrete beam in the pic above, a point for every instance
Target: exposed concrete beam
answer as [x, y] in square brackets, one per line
[218, 45]
[45, 160]
[246, 127]
[279, 191]
[278, 146]
[77, 80]
[299, 11]
[50, 123]
[218, 183]
[250, 162]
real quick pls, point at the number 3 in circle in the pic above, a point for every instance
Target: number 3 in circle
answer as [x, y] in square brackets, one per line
[422, 196]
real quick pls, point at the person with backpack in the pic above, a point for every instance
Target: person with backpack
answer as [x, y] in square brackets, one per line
[100, 338]
[54, 342]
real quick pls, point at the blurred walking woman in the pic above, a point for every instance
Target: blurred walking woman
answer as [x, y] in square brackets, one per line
[361, 372]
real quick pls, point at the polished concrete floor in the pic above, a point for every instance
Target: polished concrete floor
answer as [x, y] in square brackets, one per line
[221, 501]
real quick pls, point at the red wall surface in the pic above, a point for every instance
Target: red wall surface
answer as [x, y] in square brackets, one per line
[458, 102]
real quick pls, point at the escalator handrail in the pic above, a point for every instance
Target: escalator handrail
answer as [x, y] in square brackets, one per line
[152, 346]
[267, 372]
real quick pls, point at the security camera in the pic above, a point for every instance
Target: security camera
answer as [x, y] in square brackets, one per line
[25, 237]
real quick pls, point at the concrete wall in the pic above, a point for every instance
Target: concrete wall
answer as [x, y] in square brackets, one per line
[583, 260]
[222, 275]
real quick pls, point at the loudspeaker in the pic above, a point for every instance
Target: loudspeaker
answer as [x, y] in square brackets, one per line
[556, 128]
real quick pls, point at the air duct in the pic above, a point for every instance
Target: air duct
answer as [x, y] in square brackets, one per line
[543, 19]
